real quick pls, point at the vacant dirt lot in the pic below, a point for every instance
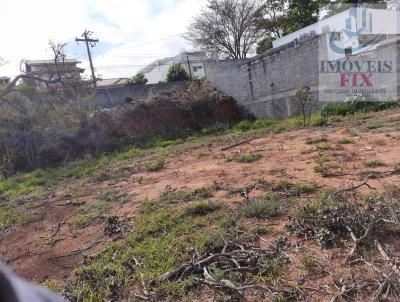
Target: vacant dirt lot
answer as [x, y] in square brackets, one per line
[57, 238]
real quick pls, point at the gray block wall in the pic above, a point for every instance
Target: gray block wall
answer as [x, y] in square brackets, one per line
[266, 85]
[113, 96]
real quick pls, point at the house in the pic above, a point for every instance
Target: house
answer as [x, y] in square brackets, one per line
[192, 62]
[63, 71]
[350, 31]
[4, 81]
[113, 82]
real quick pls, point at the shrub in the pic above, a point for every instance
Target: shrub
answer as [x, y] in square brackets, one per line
[177, 73]
[9, 216]
[355, 105]
[244, 125]
[167, 143]
[249, 158]
[345, 141]
[202, 208]
[324, 147]
[138, 79]
[265, 207]
[315, 140]
[374, 163]
[156, 164]
[305, 102]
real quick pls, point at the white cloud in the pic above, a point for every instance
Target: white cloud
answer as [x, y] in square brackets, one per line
[125, 29]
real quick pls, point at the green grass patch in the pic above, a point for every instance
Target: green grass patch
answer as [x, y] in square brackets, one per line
[276, 171]
[306, 151]
[325, 200]
[324, 147]
[173, 196]
[163, 238]
[293, 188]
[351, 108]
[203, 154]
[167, 143]
[373, 126]
[316, 140]
[318, 121]
[33, 183]
[345, 141]
[156, 164]
[10, 216]
[266, 207]
[248, 158]
[97, 207]
[326, 170]
[202, 208]
[373, 198]
[373, 163]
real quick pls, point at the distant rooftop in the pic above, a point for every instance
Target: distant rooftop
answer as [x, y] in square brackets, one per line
[42, 62]
[156, 63]
[111, 82]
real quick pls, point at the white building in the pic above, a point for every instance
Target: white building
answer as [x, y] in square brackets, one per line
[4, 81]
[351, 30]
[192, 62]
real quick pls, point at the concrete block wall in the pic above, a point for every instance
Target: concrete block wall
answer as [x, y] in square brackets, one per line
[266, 84]
[288, 68]
[113, 96]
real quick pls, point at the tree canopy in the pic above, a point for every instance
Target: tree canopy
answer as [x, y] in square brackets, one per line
[284, 17]
[177, 73]
[228, 28]
[138, 79]
[234, 28]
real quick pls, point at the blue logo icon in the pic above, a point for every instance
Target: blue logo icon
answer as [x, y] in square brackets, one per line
[356, 36]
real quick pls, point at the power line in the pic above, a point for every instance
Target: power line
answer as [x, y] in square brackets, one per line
[150, 42]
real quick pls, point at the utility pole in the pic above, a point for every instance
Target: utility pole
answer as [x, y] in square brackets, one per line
[190, 70]
[87, 39]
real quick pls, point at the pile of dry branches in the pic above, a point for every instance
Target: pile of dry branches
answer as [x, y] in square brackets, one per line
[368, 228]
[236, 260]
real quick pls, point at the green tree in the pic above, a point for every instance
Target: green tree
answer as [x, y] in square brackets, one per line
[284, 17]
[138, 79]
[341, 5]
[177, 73]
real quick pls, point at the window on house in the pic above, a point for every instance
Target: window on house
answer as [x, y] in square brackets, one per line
[348, 51]
[196, 68]
[336, 36]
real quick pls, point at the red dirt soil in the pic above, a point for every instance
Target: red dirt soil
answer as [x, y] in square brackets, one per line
[24, 248]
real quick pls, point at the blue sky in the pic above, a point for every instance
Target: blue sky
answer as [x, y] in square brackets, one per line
[132, 33]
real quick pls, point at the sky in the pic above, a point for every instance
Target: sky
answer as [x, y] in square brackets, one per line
[132, 33]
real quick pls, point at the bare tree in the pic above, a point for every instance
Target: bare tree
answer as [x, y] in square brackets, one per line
[305, 102]
[230, 28]
[59, 75]
[38, 121]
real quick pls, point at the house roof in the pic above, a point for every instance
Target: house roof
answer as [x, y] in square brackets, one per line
[111, 82]
[154, 64]
[46, 62]
[165, 61]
